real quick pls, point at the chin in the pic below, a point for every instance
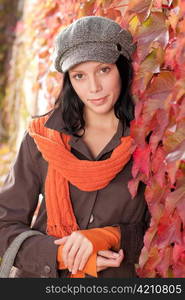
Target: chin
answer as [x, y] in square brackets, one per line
[102, 111]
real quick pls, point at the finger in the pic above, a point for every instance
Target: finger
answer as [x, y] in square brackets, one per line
[61, 241]
[121, 252]
[108, 253]
[85, 258]
[80, 259]
[66, 249]
[103, 262]
[71, 257]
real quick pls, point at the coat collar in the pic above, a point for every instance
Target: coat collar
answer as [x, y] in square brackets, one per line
[56, 122]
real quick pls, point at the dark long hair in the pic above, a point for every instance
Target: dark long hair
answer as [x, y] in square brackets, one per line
[72, 106]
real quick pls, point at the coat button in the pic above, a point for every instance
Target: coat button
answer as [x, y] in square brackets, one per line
[47, 269]
[91, 219]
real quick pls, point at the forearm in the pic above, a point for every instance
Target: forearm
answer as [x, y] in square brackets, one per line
[101, 239]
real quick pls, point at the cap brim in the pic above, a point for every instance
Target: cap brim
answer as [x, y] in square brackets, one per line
[91, 52]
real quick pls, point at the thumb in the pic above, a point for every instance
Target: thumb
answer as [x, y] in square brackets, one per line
[61, 241]
[121, 253]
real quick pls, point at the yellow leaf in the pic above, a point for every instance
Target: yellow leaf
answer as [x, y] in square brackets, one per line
[133, 24]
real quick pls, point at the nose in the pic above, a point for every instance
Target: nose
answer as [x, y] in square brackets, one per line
[94, 84]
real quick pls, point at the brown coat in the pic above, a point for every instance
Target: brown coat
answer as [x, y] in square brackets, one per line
[108, 206]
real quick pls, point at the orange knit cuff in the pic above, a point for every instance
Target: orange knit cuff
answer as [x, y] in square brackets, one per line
[103, 238]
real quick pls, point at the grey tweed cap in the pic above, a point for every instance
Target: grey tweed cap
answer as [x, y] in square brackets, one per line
[91, 38]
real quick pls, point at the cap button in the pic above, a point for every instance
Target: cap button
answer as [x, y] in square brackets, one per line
[91, 219]
[119, 48]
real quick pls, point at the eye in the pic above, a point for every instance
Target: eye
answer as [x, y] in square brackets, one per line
[105, 70]
[78, 76]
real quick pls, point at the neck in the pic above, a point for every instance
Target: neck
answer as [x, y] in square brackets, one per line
[94, 120]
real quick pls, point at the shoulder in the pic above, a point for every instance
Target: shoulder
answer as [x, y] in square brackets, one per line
[37, 123]
[30, 146]
[32, 156]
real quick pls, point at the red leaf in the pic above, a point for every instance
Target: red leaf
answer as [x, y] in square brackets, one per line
[166, 260]
[181, 113]
[148, 270]
[172, 168]
[177, 154]
[162, 121]
[160, 88]
[141, 161]
[169, 230]
[148, 67]
[158, 3]
[160, 176]
[174, 197]
[138, 110]
[156, 210]
[158, 159]
[155, 196]
[174, 56]
[181, 210]
[139, 130]
[141, 8]
[86, 9]
[179, 269]
[153, 191]
[158, 166]
[178, 253]
[179, 261]
[133, 186]
[112, 13]
[152, 34]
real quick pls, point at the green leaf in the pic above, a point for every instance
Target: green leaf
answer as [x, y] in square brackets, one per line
[147, 68]
[174, 136]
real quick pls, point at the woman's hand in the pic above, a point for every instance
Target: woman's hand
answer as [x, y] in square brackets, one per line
[107, 258]
[76, 251]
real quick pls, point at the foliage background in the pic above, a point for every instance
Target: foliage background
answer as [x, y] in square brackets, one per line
[29, 85]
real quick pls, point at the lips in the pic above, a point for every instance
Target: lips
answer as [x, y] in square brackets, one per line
[99, 99]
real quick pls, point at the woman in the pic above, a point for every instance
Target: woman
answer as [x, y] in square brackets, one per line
[78, 156]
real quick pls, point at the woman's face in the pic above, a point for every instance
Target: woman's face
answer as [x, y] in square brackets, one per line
[97, 84]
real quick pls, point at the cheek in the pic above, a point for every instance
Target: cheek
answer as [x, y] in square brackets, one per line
[77, 86]
[115, 86]
[119, 86]
[80, 90]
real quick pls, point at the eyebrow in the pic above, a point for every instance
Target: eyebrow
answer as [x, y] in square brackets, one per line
[74, 71]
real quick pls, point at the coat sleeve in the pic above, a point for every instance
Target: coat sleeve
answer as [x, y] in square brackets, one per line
[132, 237]
[18, 201]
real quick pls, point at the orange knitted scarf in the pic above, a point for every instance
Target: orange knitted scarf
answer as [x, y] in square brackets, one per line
[64, 167]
